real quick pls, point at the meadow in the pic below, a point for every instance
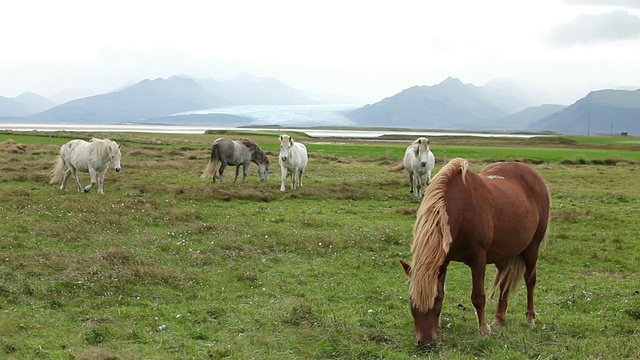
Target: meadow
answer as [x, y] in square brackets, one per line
[166, 265]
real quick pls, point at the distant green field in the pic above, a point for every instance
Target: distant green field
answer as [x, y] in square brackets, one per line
[555, 149]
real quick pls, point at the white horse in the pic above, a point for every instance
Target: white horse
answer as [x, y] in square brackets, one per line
[293, 157]
[92, 157]
[419, 162]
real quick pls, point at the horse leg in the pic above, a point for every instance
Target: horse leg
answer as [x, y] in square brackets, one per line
[245, 172]
[92, 173]
[74, 173]
[478, 299]
[221, 171]
[293, 178]
[237, 173]
[101, 182]
[418, 179]
[283, 177]
[410, 182]
[530, 255]
[65, 177]
[300, 177]
[503, 301]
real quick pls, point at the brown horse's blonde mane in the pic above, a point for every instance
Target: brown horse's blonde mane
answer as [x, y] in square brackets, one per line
[432, 236]
[255, 150]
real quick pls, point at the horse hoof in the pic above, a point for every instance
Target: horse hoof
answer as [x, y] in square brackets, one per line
[426, 347]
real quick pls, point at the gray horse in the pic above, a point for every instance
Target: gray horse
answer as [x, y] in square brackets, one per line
[236, 153]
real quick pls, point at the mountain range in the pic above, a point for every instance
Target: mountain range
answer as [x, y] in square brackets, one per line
[454, 105]
[600, 112]
[151, 99]
[500, 105]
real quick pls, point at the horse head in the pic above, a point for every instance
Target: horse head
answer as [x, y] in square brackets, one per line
[259, 157]
[431, 243]
[427, 322]
[422, 150]
[115, 155]
[286, 142]
[263, 168]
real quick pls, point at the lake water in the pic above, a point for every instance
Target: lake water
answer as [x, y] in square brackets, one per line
[192, 129]
[289, 117]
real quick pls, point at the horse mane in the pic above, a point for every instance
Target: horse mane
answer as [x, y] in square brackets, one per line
[255, 149]
[103, 146]
[419, 146]
[432, 236]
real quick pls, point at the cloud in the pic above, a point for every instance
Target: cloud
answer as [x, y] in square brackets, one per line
[616, 3]
[596, 29]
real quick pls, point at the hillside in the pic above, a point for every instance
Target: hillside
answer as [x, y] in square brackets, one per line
[522, 119]
[600, 112]
[23, 105]
[246, 89]
[448, 105]
[146, 99]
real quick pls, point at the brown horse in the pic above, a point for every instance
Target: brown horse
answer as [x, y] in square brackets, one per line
[497, 216]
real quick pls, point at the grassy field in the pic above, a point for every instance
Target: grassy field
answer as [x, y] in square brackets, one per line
[166, 265]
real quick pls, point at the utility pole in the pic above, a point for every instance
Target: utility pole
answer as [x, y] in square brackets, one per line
[611, 126]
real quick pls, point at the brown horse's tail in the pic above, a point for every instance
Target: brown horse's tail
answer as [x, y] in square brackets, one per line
[57, 171]
[509, 278]
[210, 170]
[397, 168]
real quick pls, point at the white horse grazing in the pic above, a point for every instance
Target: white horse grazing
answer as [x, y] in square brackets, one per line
[419, 162]
[293, 157]
[92, 157]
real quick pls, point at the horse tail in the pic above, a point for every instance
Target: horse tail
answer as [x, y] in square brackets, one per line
[508, 278]
[57, 171]
[210, 170]
[397, 168]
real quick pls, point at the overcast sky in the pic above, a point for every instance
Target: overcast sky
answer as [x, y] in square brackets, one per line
[364, 49]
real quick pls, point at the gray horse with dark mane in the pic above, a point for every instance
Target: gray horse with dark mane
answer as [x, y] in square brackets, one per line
[236, 153]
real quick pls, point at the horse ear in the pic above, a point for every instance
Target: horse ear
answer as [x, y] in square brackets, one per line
[281, 137]
[406, 267]
[291, 141]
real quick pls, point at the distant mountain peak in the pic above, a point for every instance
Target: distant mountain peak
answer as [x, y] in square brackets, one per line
[451, 81]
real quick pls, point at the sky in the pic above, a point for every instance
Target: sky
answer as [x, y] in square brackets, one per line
[362, 51]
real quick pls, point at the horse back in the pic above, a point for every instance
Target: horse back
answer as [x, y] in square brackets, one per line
[502, 209]
[301, 151]
[72, 148]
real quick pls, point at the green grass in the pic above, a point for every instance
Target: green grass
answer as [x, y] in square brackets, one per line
[166, 265]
